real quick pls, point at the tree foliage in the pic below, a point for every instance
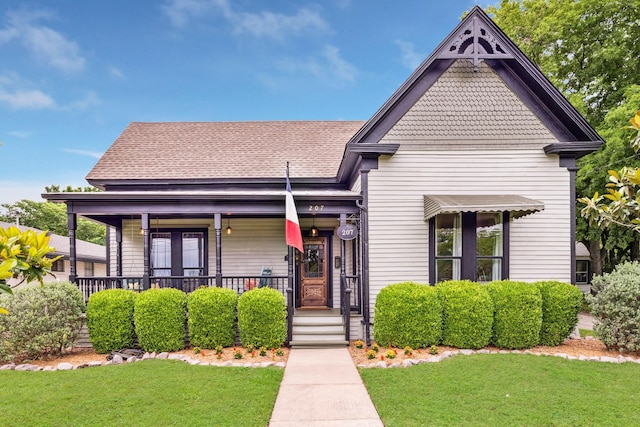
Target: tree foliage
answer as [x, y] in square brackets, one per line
[53, 216]
[588, 49]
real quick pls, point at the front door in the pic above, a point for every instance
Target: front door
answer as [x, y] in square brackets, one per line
[313, 273]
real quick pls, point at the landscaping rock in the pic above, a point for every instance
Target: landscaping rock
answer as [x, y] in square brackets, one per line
[381, 364]
[281, 364]
[26, 367]
[192, 362]
[177, 356]
[8, 367]
[95, 363]
[81, 366]
[132, 359]
[610, 359]
[163, 355]
[64, 366]
[266, 364]
[408, 362]
[483, 351]
[49, 368]
[117, 359]
[467, 352]
[147, 356]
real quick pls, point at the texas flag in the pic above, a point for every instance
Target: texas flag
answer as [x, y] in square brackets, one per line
[293, 234]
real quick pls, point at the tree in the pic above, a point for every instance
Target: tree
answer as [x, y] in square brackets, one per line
[589, 50]
[24, 256]
[53, 217]
[621, 203]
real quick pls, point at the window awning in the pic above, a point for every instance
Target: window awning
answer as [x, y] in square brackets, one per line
[518, 206]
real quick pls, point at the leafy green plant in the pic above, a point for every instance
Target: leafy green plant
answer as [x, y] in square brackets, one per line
[219, 349]
[159, 317]
[434, 350]
[262, 318]
[110, 319]
[237, 354]
[212, 317]
[518, 314]
[42, 321]
[359, 344]
[263, 351]
[561, 303]
[371, 354]
[375, 348]
[408, 314]
[408, 351]
[467, 314]
[616, 307]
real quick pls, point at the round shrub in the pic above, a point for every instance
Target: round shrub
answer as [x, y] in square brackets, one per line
[159, 316]
[467, 312]
[561, 303]
[212, 317]
[518, 314]
[408, 314]
[616, 307]
[262, 318]
[42, 321]
[110, 319]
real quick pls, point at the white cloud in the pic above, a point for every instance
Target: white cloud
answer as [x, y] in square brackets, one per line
[87, 153]
[25, 99]
[46, 44]
[329, 66]
[19, 134]
[410, 58]
[89, 100]
[262, 24]
[116, 72]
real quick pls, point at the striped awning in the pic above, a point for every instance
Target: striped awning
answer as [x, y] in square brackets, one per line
[518, 206]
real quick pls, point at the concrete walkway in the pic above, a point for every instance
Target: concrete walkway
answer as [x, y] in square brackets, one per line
[585, 321]
[322, 387]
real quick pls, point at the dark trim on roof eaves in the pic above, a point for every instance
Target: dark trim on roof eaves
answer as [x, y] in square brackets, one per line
[572, 149]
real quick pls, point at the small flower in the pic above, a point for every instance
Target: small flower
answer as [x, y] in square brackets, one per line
[371, 354]
[359, 344]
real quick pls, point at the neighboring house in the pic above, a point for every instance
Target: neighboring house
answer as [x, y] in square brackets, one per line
[466, 172]
[90, 258]
[583, 268]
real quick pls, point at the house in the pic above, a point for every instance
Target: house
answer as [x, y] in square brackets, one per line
[467, 171]
[583, 268]
[90, 258]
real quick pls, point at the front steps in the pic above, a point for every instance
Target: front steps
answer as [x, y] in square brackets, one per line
[317, 329]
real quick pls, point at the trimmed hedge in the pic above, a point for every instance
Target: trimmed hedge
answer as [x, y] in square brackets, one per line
[616, 307]
[159, 316]
[518, 314]
[110, 319]
[212, 317]
[42, 321]
[561, 303]
[408, 314]
[262, 318]
[467, 314]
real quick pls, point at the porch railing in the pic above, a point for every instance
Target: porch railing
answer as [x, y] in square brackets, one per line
[353, 283]
[240, 284]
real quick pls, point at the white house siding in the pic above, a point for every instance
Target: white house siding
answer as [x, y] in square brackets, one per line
[469, 134]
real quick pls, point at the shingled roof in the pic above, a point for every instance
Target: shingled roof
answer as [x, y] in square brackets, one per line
[212, 150]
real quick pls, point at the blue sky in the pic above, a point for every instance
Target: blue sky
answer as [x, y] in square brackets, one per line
[73, 73]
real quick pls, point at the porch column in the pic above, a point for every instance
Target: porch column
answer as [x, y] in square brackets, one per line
[364, 222]
[290, 261]
[217, 220]
[146, 282]
[345, 295]
[72, 225]
[119, 251]
[570, 164]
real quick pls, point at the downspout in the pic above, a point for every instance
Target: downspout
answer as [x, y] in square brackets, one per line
[570, 164]
[364, 222]
[119, 253]
[108, 250]
[218, 225]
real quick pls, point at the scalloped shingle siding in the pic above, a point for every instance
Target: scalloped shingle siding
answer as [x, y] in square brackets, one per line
[465, 105]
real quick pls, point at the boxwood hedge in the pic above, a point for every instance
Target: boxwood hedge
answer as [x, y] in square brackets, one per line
[262, 318]
[561, 303]
[518, 314]
[110, 319]
[159, 316]
[408, 314]
[467, 314]
[212, 317]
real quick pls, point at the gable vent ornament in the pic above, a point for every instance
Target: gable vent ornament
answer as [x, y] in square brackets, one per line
[475, 42]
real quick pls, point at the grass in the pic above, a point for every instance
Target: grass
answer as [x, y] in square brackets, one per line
[498, 390]
[586, 333]
[150, 393]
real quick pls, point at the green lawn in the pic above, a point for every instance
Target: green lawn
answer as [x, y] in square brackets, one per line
[150, 393]
[500, 390]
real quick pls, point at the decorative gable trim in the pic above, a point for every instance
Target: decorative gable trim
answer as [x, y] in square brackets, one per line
[475, 41]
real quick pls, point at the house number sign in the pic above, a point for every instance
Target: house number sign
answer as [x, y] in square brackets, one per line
[347, 232]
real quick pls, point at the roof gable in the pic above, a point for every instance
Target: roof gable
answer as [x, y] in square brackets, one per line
[478, 39]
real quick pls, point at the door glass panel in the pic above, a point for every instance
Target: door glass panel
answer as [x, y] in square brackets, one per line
[192, 254]
[161, 254]
[314, 262]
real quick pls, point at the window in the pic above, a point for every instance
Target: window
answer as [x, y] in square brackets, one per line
[468, 245]
[178, 253]
[88, 269]
[582, 271]
[58, 266]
